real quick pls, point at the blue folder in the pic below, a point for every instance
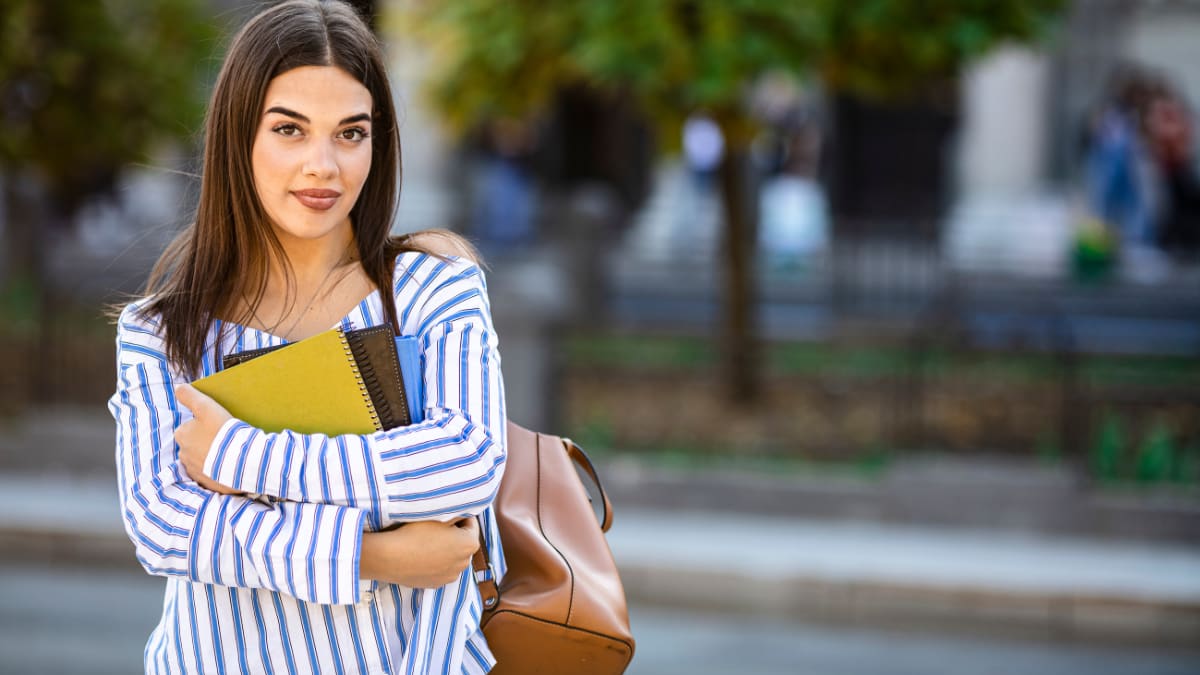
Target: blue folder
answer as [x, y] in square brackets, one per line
[408, 349]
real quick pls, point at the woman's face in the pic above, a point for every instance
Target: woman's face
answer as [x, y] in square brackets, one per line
[312, 152]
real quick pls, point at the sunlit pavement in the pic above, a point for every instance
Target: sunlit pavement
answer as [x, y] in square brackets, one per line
[730, 592]
[68, 619]
[871, 575]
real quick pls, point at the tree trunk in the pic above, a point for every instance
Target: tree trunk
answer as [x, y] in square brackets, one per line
[23, 282]
[22, 252]
[740, 349]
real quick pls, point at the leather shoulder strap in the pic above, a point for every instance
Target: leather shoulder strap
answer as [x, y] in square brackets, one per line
[580, 458]
[485, 574]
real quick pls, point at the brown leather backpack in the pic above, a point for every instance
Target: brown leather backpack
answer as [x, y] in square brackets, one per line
[560, 607]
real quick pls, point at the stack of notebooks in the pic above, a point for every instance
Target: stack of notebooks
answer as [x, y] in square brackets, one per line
[335, 382]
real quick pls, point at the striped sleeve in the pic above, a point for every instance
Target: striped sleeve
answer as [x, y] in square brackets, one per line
[449, 465]
[310, 551]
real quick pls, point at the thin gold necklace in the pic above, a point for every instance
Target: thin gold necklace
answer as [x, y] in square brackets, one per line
[346, 260]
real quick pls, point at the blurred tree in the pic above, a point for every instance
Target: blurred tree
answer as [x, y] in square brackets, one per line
[674, 58]
[87, 87]
[888, 49]
[892, 69]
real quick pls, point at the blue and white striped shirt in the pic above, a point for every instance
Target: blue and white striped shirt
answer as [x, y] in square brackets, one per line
[272, 585]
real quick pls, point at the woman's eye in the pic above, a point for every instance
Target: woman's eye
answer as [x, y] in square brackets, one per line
[287, 129]
[354, 134]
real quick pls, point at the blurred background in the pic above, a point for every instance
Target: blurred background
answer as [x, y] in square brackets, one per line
[880, 319]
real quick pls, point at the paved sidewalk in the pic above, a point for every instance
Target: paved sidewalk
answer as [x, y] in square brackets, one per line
[843, 571]
[870, 573]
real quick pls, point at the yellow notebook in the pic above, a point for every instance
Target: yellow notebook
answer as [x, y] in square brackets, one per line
[311, 386]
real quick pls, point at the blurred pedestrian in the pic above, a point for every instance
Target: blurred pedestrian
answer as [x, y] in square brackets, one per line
[505, 198]
[1129, 174]
[793, 211]
[695, 220]
[1169, 133]
[703, 149]
[1119, 177]
[303, 552]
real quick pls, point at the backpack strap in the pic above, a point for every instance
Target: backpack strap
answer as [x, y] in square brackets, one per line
[485, 574]
[581, 460]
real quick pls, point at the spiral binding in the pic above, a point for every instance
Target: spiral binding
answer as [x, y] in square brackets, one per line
[382, 377]
[364, 383]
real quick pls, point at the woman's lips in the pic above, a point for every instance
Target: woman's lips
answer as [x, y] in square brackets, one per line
[321, 200]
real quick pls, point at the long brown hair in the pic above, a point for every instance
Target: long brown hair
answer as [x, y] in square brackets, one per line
[223, 255]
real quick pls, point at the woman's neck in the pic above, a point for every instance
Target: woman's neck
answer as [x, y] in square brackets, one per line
[310, 262]
[325, 280]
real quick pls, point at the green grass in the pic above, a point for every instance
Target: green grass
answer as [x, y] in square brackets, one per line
[1122, 454]
[597, 438]
[657, 353]
[641, 352]
[1117, 462]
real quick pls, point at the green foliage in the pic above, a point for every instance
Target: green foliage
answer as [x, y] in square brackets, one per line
[875, 461]
[90, 85]
[1106, 452]
[661, 353]
[673, 56]
[1094, 255]
[643, 353]
[1158, 459]
[892, 48]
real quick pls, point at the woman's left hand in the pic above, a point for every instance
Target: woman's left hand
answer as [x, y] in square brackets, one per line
[195, 436]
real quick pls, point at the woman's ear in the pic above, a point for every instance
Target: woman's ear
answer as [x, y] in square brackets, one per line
[443, 243]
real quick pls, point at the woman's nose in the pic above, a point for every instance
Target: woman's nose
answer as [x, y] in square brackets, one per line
[321, 160]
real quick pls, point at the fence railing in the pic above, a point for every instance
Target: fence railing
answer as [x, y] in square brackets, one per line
[994, 361]
[1013, 364]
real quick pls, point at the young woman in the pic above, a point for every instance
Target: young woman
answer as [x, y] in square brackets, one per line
[307, 553]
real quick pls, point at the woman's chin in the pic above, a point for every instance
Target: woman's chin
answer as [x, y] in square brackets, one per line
[306, 227]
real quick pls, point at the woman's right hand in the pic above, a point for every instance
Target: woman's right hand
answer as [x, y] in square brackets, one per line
[424, 554]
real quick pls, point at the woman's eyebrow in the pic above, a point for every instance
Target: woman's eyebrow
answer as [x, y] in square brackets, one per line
[361, 117]
[290, 113]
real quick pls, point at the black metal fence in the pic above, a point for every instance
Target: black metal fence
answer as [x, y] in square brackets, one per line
[1083, 353]
[993, 361]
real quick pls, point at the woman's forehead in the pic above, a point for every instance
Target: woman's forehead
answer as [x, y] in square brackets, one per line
[318, 92]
